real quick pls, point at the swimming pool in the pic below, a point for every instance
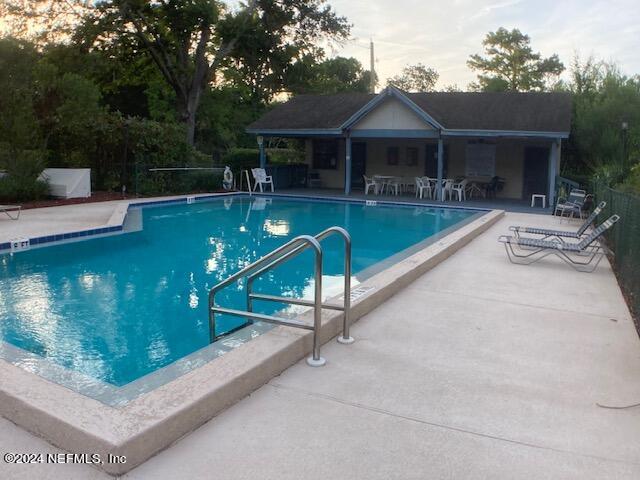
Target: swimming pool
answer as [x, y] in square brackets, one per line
[120, 307]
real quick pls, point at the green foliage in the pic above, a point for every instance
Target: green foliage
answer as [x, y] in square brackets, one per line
[18, 125]
[334, 75]
[223, 116]
[604, 100]
[241, 159]
[177, 182]
[284, 155]
[277, 41]
[192, 43]
[631, 183]
[511, 64]
[21, 181]
[415, 78]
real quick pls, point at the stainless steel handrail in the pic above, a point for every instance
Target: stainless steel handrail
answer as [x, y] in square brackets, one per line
[346, 323]
[271, 260]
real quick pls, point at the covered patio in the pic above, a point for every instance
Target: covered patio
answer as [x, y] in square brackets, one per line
[503, 147]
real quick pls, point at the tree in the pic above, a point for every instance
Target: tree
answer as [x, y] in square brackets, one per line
[41, 21]
[415, 78]
[605, 127]
[511, 65]
[190, 41]
[334, 75]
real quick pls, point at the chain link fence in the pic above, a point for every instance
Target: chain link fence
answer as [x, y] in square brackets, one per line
[624, 239]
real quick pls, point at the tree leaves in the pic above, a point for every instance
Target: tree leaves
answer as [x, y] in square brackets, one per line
[415, 78]
[510, 64]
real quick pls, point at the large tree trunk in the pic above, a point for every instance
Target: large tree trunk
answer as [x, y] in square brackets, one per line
[187, 109]
[191, 128]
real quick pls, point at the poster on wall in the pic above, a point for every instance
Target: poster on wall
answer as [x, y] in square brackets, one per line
[480, 159]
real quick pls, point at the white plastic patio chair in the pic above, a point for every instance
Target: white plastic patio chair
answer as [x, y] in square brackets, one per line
[370, 182]
[261, 178]
[460, 189]
[423, 185]
[447, 188]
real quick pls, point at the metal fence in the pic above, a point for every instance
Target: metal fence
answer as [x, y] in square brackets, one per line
[624, 239]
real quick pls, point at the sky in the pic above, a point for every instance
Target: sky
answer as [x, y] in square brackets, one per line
[443, 34]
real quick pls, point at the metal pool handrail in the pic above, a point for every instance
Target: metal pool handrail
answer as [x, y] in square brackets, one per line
[273, 259]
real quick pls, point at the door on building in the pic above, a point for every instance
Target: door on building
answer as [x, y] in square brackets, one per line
[535, 172]
[431, 161]
[358, 164]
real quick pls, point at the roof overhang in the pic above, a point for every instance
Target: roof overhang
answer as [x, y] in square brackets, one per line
[391, 91]
[333, 132]
[303, 132]
[503, 133]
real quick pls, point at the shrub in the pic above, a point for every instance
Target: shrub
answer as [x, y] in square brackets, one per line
[631, 182]
[285, 155]
[21, 181]
[241, 159]
[178, 182]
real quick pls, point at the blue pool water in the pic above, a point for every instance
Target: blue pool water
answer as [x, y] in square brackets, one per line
[117, 308]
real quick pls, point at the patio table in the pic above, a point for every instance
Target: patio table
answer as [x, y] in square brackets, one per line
[384, 181]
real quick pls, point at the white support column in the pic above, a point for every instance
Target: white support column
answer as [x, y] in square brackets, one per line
[554, 169]
[263, 157]
[347, 165]
[440, 169]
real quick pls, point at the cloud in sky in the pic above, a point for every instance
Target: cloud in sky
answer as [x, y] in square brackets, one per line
[442, 35]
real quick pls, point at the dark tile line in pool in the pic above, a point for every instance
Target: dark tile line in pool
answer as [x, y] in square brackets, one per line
[367, 202]
[66, 236]
[119, 228]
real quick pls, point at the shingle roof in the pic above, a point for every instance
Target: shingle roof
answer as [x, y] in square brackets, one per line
[510, 111]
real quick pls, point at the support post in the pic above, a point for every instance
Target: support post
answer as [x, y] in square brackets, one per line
[263, 157]
[440, 169]
[554, 164]
[347, 165]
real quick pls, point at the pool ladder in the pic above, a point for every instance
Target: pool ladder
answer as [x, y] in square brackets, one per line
[287, 251]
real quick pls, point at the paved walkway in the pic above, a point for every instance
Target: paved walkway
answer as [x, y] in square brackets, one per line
[37, 222]
[480, 369]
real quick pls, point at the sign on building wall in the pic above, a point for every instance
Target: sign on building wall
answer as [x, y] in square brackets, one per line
[480, 159]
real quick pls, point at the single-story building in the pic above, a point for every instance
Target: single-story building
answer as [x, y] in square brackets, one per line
[515, 136]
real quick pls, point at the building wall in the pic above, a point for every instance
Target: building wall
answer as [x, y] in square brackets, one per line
[377, 157]
[509, 161]
[391, 115]
[330, 178]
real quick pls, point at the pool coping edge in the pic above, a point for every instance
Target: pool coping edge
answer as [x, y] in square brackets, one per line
[157, 419]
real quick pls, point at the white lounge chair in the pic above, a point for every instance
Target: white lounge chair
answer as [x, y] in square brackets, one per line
[16, 209]
[261, 178]
[560, 235]
[584, 255]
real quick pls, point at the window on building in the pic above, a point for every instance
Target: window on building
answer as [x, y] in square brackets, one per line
[480, 158]
[325, 154]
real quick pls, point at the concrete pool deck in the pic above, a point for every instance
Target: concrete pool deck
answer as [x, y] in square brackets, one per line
[478, 369]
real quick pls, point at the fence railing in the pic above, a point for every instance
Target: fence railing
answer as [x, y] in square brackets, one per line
[624, 239]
